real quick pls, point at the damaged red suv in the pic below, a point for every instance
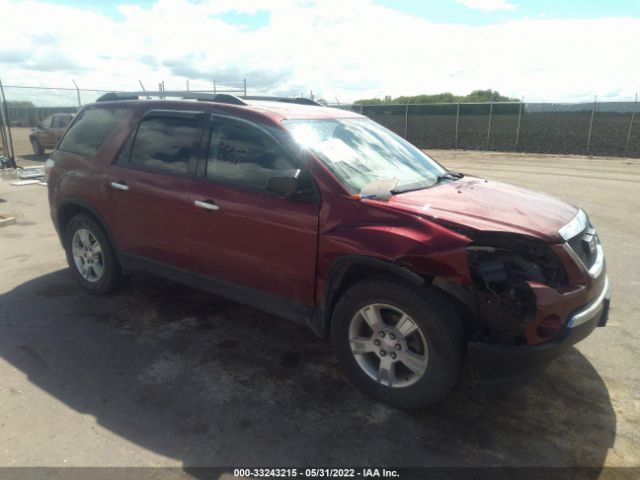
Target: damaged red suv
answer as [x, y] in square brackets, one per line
[326, 218]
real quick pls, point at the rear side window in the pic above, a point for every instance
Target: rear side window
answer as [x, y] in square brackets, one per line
[166, 143]
[90, 131]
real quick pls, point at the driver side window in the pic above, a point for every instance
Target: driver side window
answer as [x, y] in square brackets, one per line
[242, 154]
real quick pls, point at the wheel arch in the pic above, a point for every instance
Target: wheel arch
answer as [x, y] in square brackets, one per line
[71, 207]
[345, 272]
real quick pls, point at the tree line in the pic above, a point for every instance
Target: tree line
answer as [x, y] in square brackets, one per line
[445, 97]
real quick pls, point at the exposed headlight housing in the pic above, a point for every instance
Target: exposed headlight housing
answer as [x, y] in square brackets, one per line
[515, 257]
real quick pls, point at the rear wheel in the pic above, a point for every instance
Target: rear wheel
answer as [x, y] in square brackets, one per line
[401, 344]
[90, 256]
[37, 148]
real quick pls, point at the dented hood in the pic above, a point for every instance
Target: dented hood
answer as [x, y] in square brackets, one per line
[487, 205]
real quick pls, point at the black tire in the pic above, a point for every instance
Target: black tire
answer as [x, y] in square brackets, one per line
[111, 275]
[438, 322]
[37, 148]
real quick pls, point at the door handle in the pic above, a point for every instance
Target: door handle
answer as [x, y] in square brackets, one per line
[119, 186]
[206, 204]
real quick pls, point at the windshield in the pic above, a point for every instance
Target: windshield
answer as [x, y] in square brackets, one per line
[359, 151]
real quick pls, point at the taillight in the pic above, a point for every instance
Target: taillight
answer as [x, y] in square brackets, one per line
[48, 166]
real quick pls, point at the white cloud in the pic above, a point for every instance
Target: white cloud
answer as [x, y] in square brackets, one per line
[487, 5]
[338, 49]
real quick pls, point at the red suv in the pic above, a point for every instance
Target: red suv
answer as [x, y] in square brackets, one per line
[324, 217]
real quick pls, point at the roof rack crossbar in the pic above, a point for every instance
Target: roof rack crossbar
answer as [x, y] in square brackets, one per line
[190, 95]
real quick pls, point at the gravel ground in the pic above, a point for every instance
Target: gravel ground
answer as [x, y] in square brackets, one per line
[163, 375]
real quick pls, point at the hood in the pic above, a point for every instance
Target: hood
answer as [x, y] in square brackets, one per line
[489, 206]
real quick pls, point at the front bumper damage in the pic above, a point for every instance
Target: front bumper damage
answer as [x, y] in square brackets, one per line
[495, 365]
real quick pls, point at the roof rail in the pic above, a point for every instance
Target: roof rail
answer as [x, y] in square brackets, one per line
[208, 97]
[297, 100]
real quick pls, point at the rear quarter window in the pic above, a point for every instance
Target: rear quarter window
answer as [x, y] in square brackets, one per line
[90, 131]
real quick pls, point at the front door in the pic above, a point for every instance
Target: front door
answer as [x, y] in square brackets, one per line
[150, 184]
[242, 233]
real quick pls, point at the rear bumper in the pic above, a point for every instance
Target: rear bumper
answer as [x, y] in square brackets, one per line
[498, 366]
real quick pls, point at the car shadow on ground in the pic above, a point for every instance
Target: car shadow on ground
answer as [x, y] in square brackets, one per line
[210, 382]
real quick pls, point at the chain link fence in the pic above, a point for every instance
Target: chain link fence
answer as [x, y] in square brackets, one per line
[27, 105]
[23, 107]
[596, 128]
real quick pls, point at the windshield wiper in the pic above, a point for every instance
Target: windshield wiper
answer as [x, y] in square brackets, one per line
[422, 185]
[449, 176]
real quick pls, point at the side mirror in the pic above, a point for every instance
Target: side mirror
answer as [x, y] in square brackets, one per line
[285, 185]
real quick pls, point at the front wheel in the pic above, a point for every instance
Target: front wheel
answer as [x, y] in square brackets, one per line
[402, 345]
[90, 256]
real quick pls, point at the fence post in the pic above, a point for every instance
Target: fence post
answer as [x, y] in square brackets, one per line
[77, 93]
[489, 128]
[406, 119]
[518, 127]
[143, 89]
[455, 143]
[7, 121]
[633, 114]
[593, 113]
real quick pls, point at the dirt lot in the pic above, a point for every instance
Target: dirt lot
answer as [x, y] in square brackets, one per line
[163, 375]
[21, 144]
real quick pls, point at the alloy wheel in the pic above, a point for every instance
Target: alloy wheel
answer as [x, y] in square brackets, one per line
[388, 345]
[87, 255]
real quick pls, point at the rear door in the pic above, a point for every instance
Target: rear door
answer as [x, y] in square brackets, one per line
[150, 182]
[242, 233]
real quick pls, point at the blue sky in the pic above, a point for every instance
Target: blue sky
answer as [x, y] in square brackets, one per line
[445, 11]
[439, 11]
[342, 50]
